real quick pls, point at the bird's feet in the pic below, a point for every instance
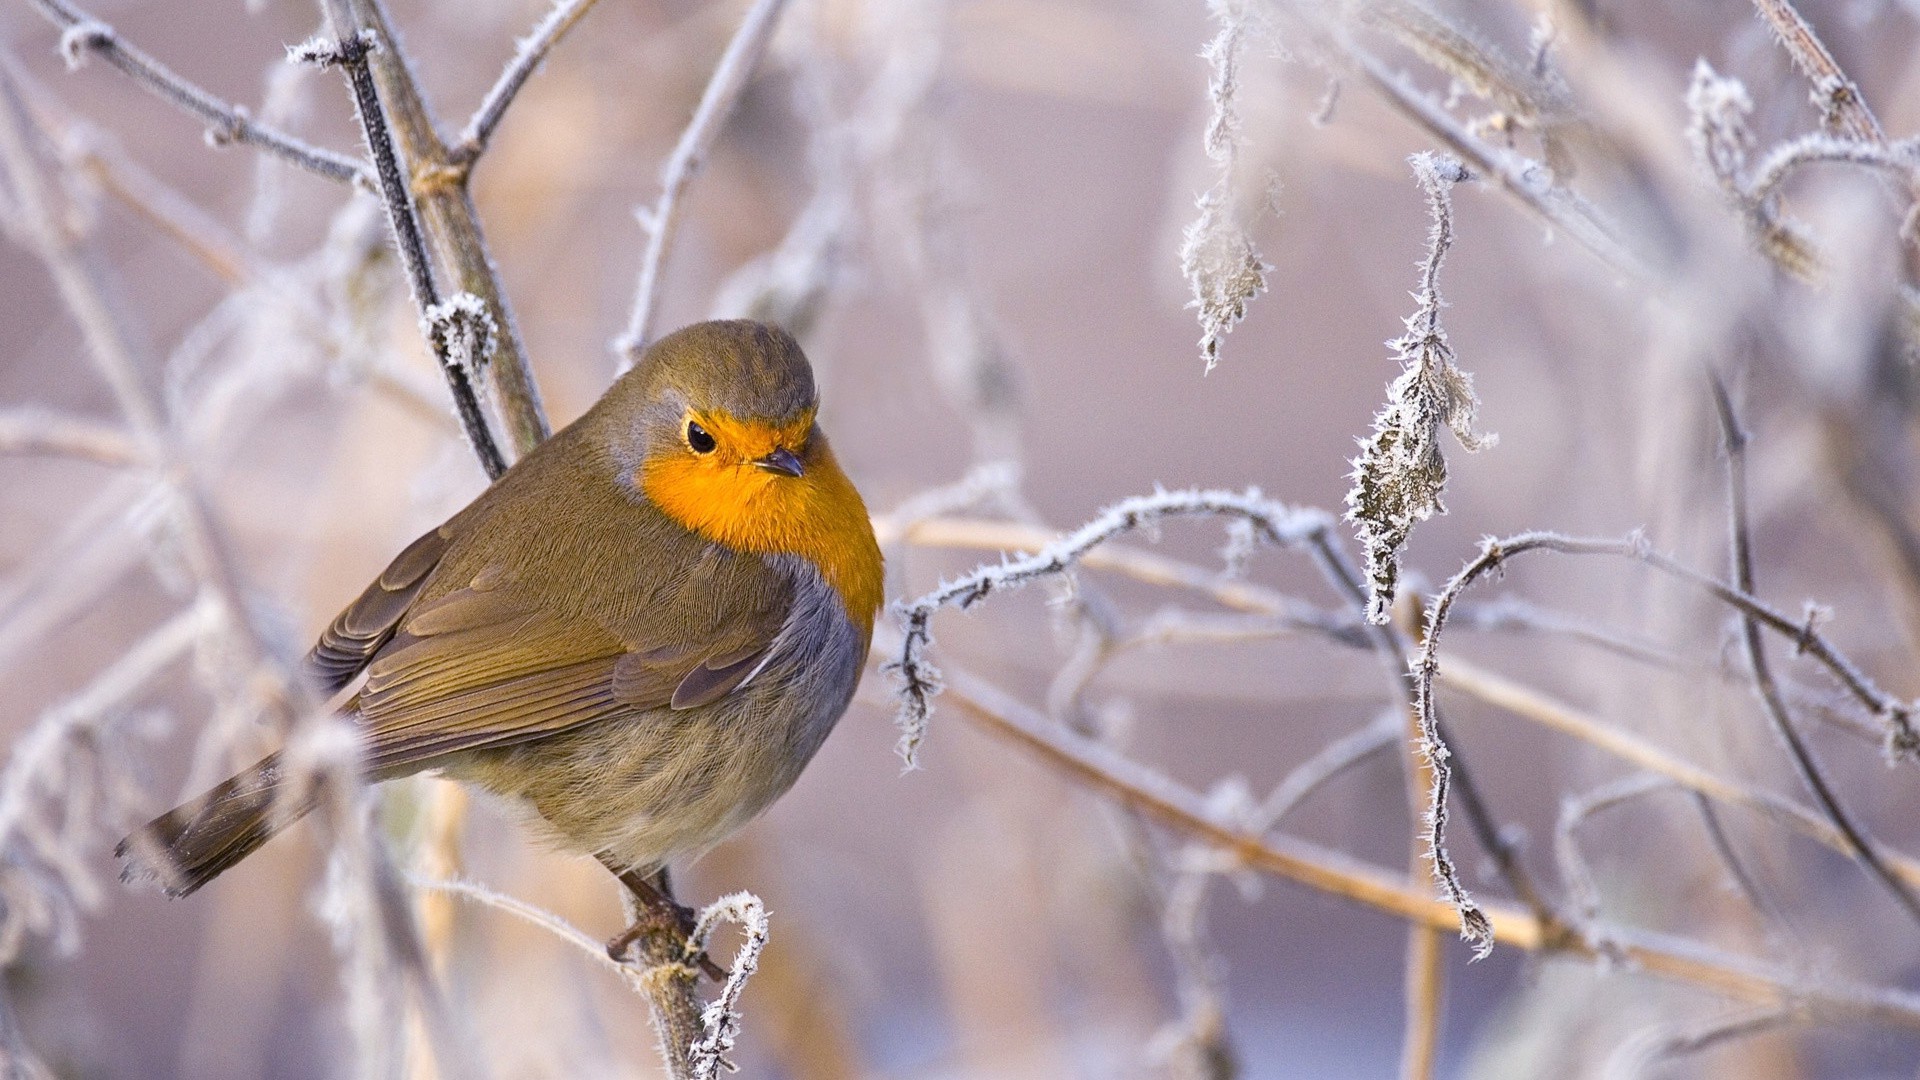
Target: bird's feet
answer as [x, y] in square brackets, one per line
[661, 915]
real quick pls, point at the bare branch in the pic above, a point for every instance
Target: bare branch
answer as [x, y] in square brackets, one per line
[1104, 771]
[920, 680]
[1741, 546]
[662, 220]
[81, 34]
[439, 185]
[529, 53]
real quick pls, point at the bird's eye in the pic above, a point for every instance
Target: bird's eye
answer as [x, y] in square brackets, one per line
[698, 438]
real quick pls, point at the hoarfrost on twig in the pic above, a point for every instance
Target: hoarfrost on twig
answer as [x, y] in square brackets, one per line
[1217, 256]
[1400, 473]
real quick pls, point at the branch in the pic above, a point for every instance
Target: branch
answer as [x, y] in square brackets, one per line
[1106, 772]
[920, 680]
[661, 221]
[350, 54]
[1734, 440]
[1841, 106]
[439, 186]
[1458, 674]
[81, 34]
[532, 50]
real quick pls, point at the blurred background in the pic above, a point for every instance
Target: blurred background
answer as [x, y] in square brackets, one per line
[977, 210]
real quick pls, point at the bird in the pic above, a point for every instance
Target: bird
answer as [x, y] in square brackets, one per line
[637, 637]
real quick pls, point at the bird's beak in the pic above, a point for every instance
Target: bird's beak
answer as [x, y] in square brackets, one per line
[781, 461]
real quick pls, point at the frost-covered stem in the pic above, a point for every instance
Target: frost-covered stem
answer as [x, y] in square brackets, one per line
[1902, 739]
[920, 680]
[662, 220]
[1425, 976]
[528, 54]
[81, 33]
[1841, 106]
[350, 55]
[1217, 255]
[1104, 771]
[1734, 443]
[721, 1018]
[439, 185]
[1901, 159]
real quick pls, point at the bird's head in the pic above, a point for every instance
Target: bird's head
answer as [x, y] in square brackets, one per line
[715, 427]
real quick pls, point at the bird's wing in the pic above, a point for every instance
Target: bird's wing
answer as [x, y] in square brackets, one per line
[369, 622]
[484, 667]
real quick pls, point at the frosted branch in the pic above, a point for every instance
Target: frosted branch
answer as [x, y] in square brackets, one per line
[918, 678]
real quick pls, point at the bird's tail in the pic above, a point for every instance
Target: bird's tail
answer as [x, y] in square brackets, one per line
[190, 845]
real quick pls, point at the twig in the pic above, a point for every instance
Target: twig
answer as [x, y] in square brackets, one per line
[1329, 762]
[722, 1015]
[1841, 106]
[529, 53]
[1458, 674]
[1528, 181]
[1902, 739]
[1734, 442]
[1106, 772]
[662, 220]
[1743, 879]
[920, 680]
[1574, 812]
[1634, 1057]
[1425, 976]
[475, 892]
[82, 33]
[1901, 159]
[350, 54]
[1530, 704]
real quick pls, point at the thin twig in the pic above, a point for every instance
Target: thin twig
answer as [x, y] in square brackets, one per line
[920, 680]
[1579, 879]
[1734, 442]
[528, 55]
[82, 33]
[662, 220]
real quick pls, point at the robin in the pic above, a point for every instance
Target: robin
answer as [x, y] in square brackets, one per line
[640, 633]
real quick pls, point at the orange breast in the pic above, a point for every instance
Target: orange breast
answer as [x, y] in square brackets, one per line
[818, 516]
